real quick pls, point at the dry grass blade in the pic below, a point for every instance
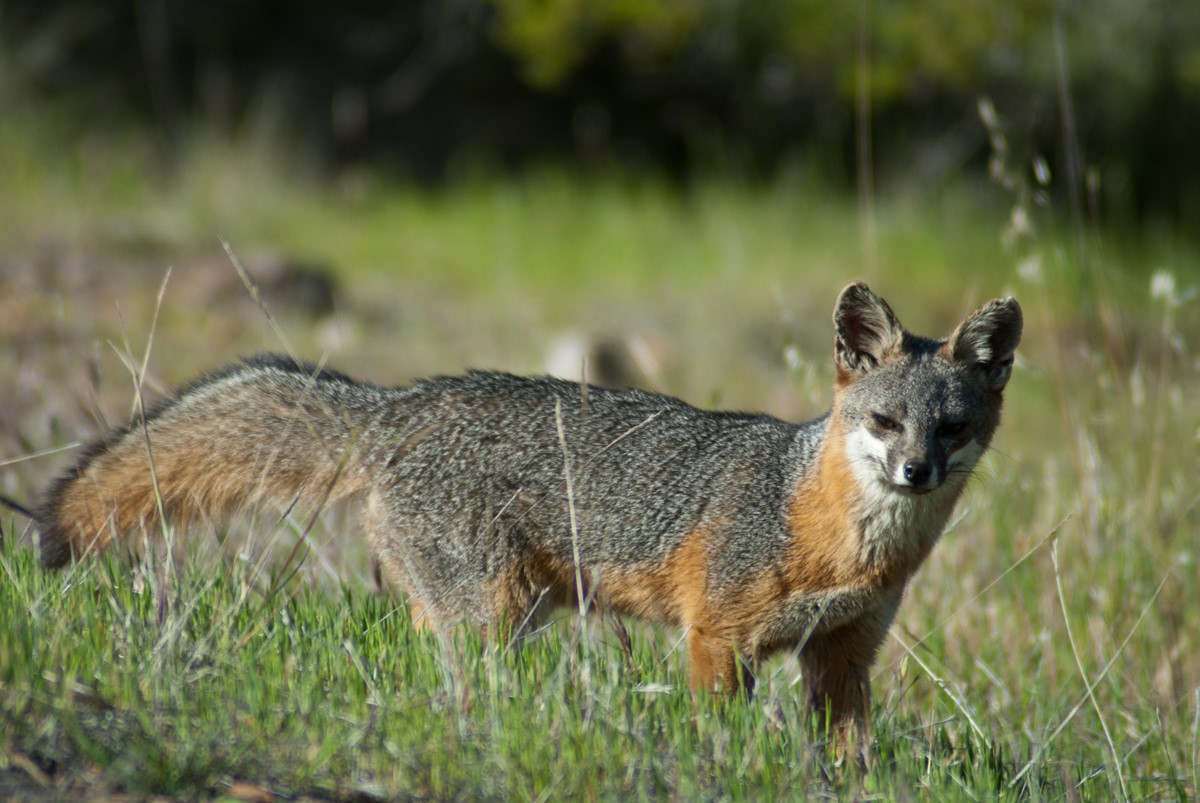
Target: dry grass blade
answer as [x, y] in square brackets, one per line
[1029, 765]
[43, 453]
[959, 702]
[138, 375]
[1049, 539]
[252, 287]
[1196, 745]
[562, 441]
[1062, 599]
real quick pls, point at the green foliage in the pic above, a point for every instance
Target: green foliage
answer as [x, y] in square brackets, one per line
[953, 46]
[553, 37]
[943, 44]
[684, 86]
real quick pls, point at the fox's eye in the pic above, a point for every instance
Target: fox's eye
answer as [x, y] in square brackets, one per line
[885, 423]
[952, 429]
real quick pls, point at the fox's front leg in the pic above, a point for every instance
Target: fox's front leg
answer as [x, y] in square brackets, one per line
[840, 687]
[715, 665]
[837, 678]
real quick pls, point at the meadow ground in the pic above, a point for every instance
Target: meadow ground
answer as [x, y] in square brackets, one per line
[1048, 650]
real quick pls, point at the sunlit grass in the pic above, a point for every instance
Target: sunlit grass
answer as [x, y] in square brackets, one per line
[182, 682]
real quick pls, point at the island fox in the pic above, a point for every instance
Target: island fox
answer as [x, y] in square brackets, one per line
[490, 497]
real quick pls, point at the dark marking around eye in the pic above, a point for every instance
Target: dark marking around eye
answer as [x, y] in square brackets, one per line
[952, 429]
[886, 424]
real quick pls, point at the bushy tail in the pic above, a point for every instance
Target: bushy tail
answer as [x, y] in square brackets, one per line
[267, 429]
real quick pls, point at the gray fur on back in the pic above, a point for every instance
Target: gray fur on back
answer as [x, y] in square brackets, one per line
[477, 462]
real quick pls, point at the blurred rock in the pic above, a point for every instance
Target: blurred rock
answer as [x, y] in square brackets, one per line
[615, 361]
[285, 285]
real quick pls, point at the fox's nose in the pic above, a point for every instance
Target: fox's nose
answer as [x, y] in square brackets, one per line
[917, 472]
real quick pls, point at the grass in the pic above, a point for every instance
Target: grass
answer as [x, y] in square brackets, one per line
[1048, 650]
[189, 681]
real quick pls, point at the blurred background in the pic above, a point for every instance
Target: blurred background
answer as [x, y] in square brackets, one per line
[425, 90]
[536, 153]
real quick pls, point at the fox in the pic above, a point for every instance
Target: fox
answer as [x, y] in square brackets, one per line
[491, 498]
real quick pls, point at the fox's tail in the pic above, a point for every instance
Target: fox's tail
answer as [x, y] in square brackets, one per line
[267, 429]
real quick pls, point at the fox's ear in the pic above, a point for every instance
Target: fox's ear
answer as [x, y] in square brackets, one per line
[865, 330]
[987, 339]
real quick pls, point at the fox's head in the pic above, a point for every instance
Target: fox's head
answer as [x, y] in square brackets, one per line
[916, 412]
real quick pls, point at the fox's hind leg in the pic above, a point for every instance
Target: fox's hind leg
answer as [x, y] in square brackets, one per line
[422, 613]
[402, 573]
[522, 594]
[422, 619]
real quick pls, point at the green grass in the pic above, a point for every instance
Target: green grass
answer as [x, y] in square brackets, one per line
[184, 678]
[188, 683]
